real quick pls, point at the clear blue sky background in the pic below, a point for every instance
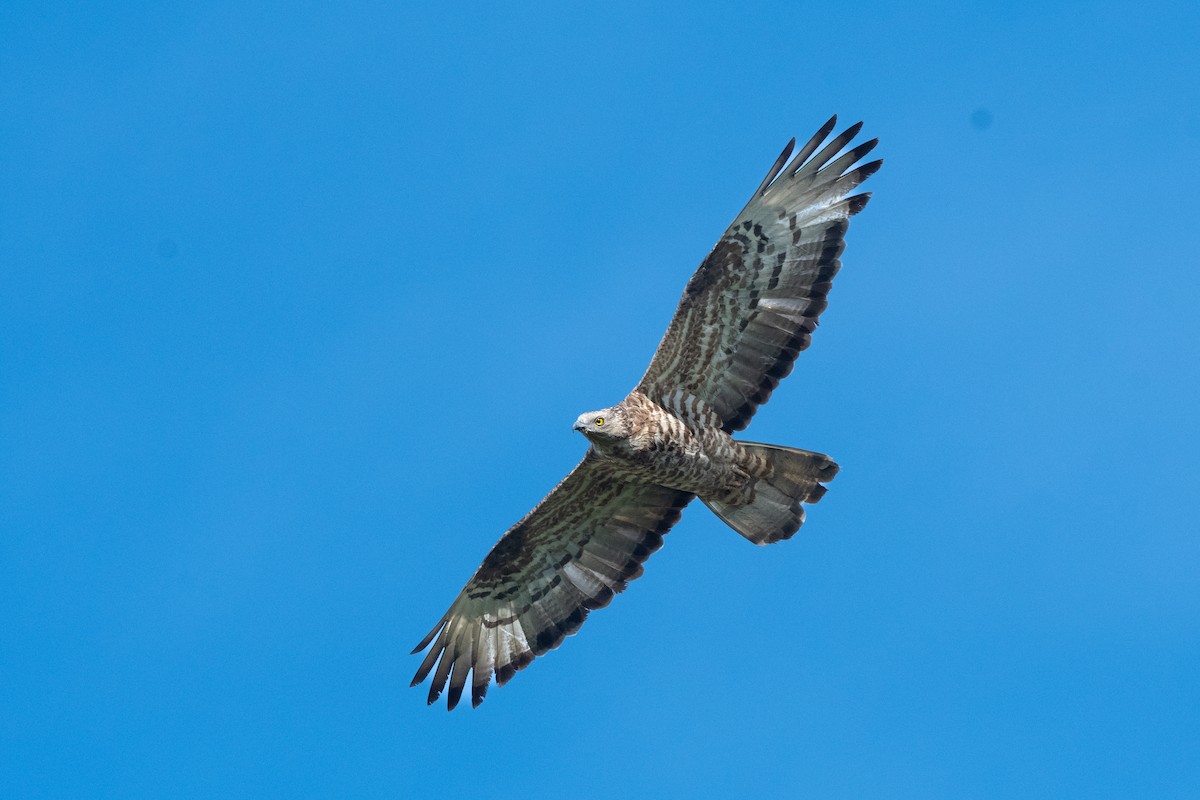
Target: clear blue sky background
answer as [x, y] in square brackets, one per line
[298, 303]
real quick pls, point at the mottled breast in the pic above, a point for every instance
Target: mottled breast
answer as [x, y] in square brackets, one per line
[664, 449]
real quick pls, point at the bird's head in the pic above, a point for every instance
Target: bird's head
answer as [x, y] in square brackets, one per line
[605, 425]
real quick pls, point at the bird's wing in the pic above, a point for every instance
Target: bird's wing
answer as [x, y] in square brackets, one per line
[577, 548]
[753, 304]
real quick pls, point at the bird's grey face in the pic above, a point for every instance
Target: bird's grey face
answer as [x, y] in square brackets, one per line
[607, 424]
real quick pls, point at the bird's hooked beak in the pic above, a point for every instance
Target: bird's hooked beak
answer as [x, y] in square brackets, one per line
[583, 423]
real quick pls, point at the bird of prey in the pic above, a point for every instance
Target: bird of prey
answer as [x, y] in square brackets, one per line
[746, 313]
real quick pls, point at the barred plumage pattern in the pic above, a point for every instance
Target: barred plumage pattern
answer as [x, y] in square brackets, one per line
[746, 313]
[753, 304]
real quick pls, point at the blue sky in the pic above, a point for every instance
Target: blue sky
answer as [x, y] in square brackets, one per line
[298, 303]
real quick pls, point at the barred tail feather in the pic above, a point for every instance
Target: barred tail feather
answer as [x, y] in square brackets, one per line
[794, 477]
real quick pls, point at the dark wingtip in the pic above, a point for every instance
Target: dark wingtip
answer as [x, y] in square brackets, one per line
[421, 645]
[857, 203]
[864, 148]
[869, 169]
[548, 639]
[812, 144]
[773, 173]
[520, 661]
[504, 673]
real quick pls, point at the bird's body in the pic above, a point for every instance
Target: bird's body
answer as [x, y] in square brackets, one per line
[663, 448]
[746, 313]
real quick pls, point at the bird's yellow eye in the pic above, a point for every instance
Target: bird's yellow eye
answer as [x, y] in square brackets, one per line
[599, 420]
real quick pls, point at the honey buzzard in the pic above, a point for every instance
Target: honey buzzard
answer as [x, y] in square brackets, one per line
[745, 314]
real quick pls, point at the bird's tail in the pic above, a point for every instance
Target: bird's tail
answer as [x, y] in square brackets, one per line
[793, 477]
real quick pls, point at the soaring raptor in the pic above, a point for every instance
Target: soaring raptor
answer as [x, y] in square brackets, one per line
[745, 314]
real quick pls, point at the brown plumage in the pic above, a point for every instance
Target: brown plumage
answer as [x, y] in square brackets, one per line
[745, 314]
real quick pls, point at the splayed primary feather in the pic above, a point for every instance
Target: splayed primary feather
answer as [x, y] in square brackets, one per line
[747, 312]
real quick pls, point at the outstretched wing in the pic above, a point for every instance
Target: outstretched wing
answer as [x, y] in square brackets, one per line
[753, 304]
[578, 547]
